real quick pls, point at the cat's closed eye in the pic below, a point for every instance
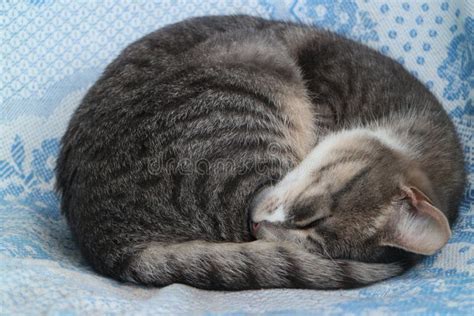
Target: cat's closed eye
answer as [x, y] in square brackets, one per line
[313, 224]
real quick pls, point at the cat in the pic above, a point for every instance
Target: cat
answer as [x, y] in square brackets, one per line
[235, 152]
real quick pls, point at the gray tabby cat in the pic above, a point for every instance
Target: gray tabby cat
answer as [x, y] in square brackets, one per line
[347, 166]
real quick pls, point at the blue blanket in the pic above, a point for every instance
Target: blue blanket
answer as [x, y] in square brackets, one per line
[52, 51]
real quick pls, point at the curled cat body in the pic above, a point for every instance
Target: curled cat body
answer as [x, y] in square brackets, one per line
[234, 152]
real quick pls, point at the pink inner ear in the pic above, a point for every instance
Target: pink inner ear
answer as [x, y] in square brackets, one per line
[422, 203]
[424, 230]
[416, 195]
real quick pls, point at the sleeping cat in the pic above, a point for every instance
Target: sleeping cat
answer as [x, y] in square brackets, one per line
[238, 153]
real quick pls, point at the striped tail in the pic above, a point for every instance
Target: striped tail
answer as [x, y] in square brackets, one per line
[252, 265]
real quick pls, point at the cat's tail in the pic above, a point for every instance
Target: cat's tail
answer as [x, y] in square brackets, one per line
[252, 265]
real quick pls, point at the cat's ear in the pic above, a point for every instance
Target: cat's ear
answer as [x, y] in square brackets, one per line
[415, 224]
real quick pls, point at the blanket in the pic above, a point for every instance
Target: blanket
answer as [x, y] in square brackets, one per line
[51, 53]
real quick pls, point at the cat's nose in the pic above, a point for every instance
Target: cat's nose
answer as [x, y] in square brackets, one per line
[255, 228]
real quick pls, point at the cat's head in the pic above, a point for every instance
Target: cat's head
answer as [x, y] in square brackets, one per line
[354, 194]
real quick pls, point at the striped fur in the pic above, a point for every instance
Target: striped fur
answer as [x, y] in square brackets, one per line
[162, 162]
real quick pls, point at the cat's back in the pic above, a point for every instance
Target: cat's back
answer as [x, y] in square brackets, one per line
[180, 132]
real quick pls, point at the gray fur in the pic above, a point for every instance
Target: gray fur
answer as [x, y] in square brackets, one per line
[142, 168]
